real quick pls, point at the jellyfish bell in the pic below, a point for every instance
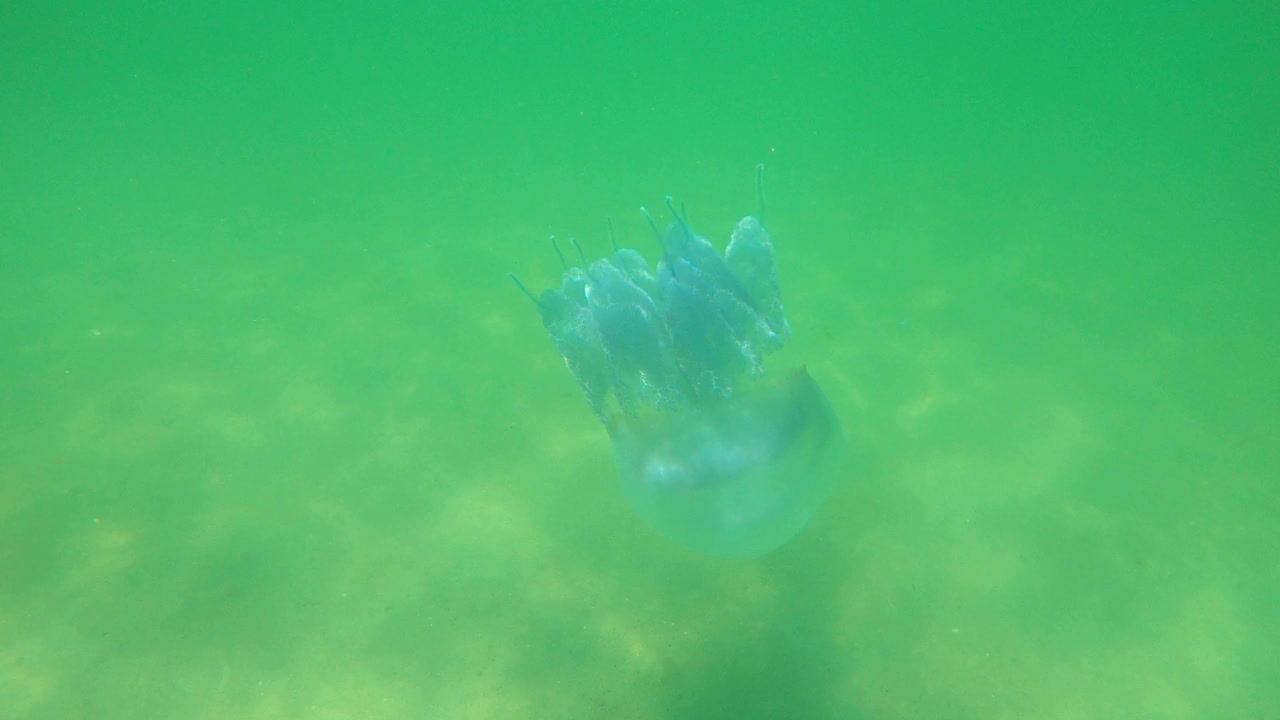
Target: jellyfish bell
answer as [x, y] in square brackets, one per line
[736, 479]
[712, 451]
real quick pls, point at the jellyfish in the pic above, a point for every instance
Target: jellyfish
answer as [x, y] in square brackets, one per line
[712, 451]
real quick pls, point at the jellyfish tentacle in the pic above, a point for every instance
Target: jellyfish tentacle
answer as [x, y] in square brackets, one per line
[760, 199]
[581, 255]
[652, 225]
[688, 233]
[556, 246]
[523, 288]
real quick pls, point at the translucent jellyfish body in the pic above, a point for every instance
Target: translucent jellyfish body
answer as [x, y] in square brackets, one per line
[712, 451]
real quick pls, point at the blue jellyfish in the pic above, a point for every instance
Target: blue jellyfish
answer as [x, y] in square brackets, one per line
[712, 451]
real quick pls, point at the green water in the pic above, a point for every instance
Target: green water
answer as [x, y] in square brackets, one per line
[278, 439]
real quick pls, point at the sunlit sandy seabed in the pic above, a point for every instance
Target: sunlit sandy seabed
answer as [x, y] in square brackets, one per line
[362, 498]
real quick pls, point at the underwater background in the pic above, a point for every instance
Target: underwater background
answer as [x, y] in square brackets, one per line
[279, 439]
